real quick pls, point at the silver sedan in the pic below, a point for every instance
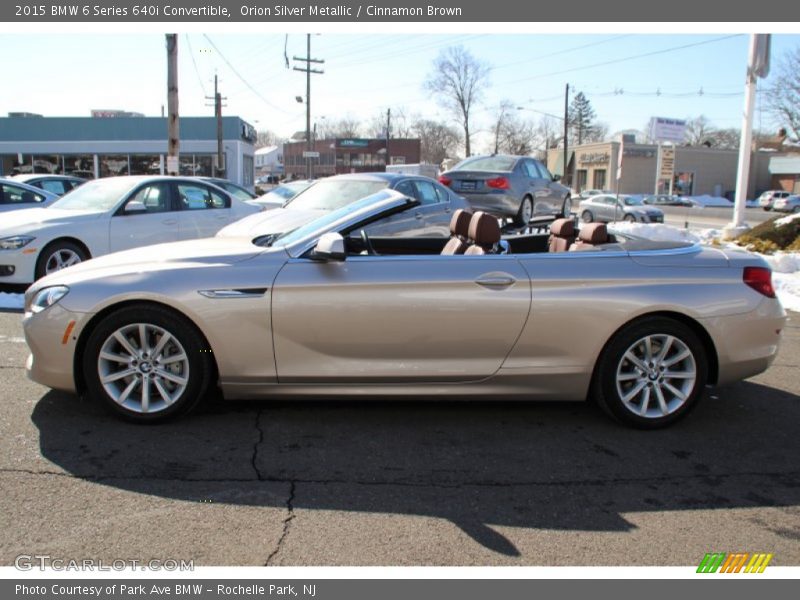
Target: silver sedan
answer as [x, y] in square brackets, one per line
[325, 311]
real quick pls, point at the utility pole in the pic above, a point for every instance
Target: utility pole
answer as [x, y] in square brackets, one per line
[388, 131]
[173, 129]
[566, 133]
[221, 167]
[308, 71]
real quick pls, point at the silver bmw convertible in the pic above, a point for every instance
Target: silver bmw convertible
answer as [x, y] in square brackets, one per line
[325, 310]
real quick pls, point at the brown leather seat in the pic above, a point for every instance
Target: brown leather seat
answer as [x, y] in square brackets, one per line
[459, 231]
[484, 231]
[590, 236]
[562, 235]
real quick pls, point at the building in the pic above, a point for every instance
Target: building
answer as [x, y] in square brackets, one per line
[269, 161]
[697, 170]
[785, 172]
[102, 147]
[348, 155]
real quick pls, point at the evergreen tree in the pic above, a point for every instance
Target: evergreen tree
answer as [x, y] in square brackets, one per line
[581, 118]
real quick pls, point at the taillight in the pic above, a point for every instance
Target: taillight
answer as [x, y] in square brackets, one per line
[445, 180]
[498, 183]
[760, 279]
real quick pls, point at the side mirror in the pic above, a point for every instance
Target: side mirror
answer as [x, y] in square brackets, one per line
[135, 207]
[329, 247]
[556, 177]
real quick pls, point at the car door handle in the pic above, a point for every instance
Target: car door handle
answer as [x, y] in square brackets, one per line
[170, 221]
[496, 281]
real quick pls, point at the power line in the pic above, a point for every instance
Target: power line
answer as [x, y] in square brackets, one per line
[196, 70]
[235, 72]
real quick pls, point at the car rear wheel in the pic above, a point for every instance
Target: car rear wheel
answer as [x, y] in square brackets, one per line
[147, 364]
[59, 255]
[796, 209]
[630, 218]
[651, 374]
[525, 212]
[566, 208]
[587, 216]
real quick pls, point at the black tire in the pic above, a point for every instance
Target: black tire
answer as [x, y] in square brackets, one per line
[566, 208]
[630, 218]
[519, 219]
[587, 216]
[605, 388]
[796, 209]
[767, 208]
[52, 250]
[199, 364]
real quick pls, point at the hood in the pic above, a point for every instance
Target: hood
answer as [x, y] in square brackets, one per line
[267, 204]
[31, 217]
[279, 220]
[160, 257]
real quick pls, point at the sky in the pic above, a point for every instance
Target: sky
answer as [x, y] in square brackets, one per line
[628, 77]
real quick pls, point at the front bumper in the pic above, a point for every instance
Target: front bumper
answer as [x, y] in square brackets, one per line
[52, 343]
[18, 266]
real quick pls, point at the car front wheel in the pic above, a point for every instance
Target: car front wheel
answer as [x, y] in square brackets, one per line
[630, 218]
[566, 208]
[652, 373]
[59, 255]
[147, 363]
[587, 216]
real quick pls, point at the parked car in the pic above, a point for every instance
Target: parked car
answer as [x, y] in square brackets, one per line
[327, 310]
[111, 214]
[234, 189]
[515, 187]
[790, 204]
[55, 184]
[430, 218]
[665, 200]
[16, 194]
[605, 208]
[766, 199]
[589, 193]
[279, 195]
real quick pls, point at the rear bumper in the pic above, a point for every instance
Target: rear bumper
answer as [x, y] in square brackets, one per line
[498, 203]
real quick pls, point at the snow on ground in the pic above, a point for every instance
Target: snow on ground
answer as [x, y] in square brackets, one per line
[787, 220]
[706, 200]
[12, 300]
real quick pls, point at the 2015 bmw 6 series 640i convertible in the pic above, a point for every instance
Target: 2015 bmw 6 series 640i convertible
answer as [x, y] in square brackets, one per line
[326, 311]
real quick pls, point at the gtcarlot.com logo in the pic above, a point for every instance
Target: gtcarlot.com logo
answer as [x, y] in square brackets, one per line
[738, 562]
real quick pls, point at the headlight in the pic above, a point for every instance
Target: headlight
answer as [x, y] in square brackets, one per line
[47, 297]
[15, 242]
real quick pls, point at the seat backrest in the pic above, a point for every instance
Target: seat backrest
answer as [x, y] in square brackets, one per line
[562, 235]
[484, 232]
[459, 231]
[591, 235]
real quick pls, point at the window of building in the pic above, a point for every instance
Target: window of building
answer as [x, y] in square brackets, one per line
[247, 170]
[146, 164]
[81, 165]
[683, 184]
[599, 179]
[113, 165]
[580, 179]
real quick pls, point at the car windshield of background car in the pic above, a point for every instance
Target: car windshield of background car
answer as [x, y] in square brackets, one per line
[632, 201]
[97, 195]
[332, 194]
[486, 163]
[321, 224]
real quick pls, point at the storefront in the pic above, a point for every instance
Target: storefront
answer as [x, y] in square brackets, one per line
[683, 170]
[104, 147]
[785, 173]
[348, 155]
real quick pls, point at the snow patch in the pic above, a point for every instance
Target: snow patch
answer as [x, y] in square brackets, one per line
[657, 232]
[787, 220]
[711, 201]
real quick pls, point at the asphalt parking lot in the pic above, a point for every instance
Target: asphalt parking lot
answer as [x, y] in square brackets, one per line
[400, 483]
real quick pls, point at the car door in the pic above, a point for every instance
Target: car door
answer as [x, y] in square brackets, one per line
[202, 212]
[553, 198]
[537, 187]
[397, 319]
[157, 224]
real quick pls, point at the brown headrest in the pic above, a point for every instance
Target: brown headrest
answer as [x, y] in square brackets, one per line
[563, 228]
[484, 229]
[594, 233]
[459, 224]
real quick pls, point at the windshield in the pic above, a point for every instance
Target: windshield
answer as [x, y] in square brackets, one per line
[99, 195]
[487, 163]
[321, 224]
[332, 194]
[631, 201]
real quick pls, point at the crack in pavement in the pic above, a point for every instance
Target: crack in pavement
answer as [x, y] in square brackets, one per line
[254, 458]
[791, 476]
[287, 522]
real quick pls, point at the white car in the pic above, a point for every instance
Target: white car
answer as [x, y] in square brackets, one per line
[15, 195]
[111, 214]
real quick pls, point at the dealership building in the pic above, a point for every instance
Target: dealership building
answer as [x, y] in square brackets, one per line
[348, 155]
[691, 170]
[116, 143]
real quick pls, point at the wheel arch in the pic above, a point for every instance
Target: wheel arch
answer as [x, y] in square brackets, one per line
[66, 238]
[693, 324]
[80, 346]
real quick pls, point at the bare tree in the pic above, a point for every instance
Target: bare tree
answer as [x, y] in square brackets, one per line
[344, 127]
[458, 80]
[437, 140]
[398, 122]
[512, 133]
[267, 138]
[783, 93]
[698, 131]
[598, 132]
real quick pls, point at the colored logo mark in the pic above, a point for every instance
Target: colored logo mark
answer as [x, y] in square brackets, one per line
[737, 562]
